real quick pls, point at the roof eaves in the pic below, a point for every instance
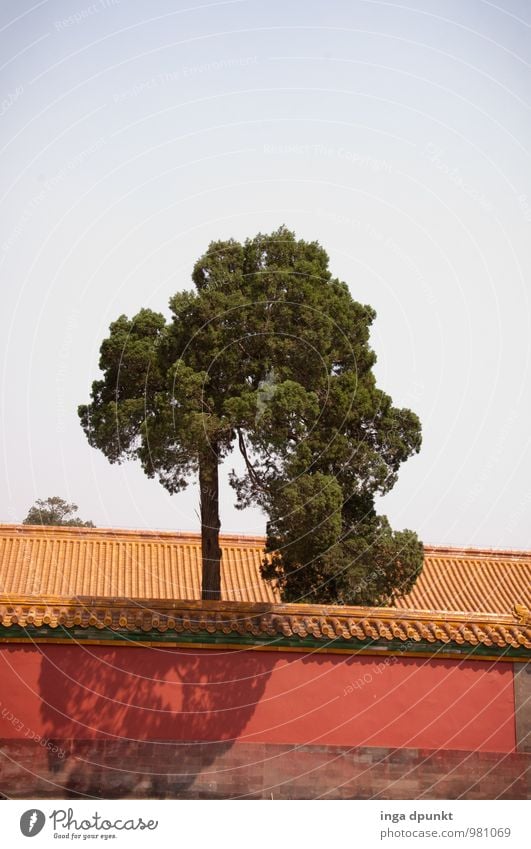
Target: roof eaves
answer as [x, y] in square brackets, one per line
[325, 627]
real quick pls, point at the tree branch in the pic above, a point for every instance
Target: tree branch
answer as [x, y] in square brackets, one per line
[250, 468]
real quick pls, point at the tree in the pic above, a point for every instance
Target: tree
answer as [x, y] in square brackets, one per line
[54, 511]
[271, 354]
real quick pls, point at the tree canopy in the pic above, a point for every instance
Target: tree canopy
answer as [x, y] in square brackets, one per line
[271, 354]
[54, 511]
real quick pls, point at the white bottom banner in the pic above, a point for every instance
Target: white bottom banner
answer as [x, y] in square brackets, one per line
[131, 822]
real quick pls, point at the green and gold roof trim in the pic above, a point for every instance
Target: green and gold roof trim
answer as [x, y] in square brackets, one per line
[267, 626]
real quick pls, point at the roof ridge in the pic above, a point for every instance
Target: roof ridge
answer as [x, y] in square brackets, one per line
[240, 539]
[468, 551]
[136, 533]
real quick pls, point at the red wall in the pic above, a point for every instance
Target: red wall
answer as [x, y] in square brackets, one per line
[74, 691]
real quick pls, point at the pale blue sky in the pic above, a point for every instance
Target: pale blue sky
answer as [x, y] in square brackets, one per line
[398, 135]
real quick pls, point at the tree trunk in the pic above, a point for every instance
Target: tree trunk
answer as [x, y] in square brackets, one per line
[210, 524]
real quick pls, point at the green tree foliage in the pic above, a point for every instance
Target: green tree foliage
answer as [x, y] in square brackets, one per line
[54, 511]
[269, 353]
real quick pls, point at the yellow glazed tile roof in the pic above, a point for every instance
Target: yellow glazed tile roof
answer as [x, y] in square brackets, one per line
[71, 562]
[476, 580]
[59, 562]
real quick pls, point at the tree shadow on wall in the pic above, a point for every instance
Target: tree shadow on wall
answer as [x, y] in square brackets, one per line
[143, 721]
